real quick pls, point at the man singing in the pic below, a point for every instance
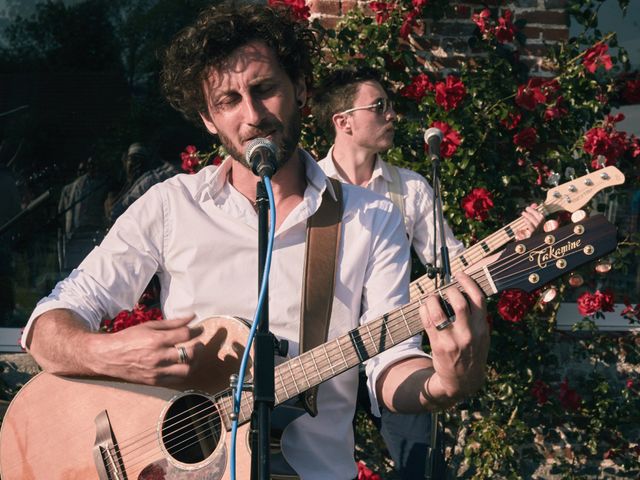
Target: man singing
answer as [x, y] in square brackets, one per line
[243, 73]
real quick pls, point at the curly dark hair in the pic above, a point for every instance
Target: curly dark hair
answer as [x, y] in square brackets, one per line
[220, 30]
[337, 92]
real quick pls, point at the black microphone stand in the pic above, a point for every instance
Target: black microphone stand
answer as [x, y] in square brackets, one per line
[445, 278]
[264, 351]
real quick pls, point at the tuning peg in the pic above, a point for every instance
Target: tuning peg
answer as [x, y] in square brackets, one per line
[603, 266]
[570, 173]
[550, 225]
[549, 295]
[601, 161]
[578, 215]
[553, 179]
[576, 280]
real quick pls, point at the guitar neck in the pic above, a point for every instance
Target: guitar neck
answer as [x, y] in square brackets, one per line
[360, 344]
[425, 285]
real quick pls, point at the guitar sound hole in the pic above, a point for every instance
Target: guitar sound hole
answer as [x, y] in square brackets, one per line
[191, 428]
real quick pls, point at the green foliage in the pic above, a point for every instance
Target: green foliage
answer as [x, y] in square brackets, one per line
[533, 411]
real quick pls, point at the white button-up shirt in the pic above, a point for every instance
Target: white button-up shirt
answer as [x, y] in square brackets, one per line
[200, 235]
[418, 205]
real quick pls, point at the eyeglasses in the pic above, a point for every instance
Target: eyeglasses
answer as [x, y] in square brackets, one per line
[382, 106]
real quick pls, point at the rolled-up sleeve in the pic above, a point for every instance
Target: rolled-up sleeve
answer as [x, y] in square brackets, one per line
[387, 287]
[116, 272]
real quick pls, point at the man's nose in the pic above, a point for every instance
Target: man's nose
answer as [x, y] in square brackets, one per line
[254, 110]
[390, 114]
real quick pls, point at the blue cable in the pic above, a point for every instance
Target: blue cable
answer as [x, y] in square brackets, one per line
[254, 326]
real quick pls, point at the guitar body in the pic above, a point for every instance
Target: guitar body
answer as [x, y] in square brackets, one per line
[55, 426]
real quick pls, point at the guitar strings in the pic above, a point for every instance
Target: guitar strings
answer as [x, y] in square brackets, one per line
[475, 253]
[361, 339]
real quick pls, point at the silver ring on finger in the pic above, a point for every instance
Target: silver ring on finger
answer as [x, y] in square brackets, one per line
[447, 323]
[182, 354]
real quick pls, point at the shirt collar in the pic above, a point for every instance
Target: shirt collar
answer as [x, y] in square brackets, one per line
[217, 176]
[380, 169]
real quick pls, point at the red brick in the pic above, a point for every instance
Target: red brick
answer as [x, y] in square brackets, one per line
[532, 33]
[534, 50]
[545, 17]
[556, 34]
[329, 22]
[348, 5]
[326, 7]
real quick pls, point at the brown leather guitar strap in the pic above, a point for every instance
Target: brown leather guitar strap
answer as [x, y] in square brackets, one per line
[319, 276]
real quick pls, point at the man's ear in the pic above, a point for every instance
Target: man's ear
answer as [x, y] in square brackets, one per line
[341, 123]
[206, 119]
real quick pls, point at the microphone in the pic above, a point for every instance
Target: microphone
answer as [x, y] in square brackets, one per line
[261, 156]
[433, 137]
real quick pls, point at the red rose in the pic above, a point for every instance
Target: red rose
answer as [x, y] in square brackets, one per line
[631, 92]
[190, 159]
[382, 10]
[543, 172]
[557, 111]
[418, 87]
[476, 205]
[505, 30]
[631, 312]
[633, 146]
[529, 96]
[450, 141]
[610, 144]
[408, 23]
[450, 93]
[480, 19]
[515, 304]
[365, 473]
[569, 398]
[526, 138]
[540, 392]
[298, 8]
[512, 120]
[126, 319]
[418, 4]
[596, 56]
[591, 303]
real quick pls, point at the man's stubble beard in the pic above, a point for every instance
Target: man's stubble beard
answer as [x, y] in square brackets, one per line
[286, 147]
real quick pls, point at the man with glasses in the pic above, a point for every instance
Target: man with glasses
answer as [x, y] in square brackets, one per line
[353, 106]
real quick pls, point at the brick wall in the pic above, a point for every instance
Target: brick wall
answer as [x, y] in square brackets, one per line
[547, 24]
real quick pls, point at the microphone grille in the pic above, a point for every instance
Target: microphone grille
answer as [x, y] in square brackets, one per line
[257, 143]
[432, 132]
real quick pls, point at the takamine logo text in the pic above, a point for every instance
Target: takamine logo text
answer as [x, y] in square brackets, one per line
[553, 252]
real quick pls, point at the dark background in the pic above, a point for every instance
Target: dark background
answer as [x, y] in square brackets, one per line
[79, 79]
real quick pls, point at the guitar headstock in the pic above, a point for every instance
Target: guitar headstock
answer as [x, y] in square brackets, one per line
[531, 263]
[573, 195]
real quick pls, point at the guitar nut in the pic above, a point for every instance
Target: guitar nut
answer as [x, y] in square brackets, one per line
[562, 263]
[578, 229]
[549, 239]
[520, 248]
[534, 278]
[588, 250]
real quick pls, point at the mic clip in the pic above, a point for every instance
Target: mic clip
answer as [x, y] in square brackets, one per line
[432, 271]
